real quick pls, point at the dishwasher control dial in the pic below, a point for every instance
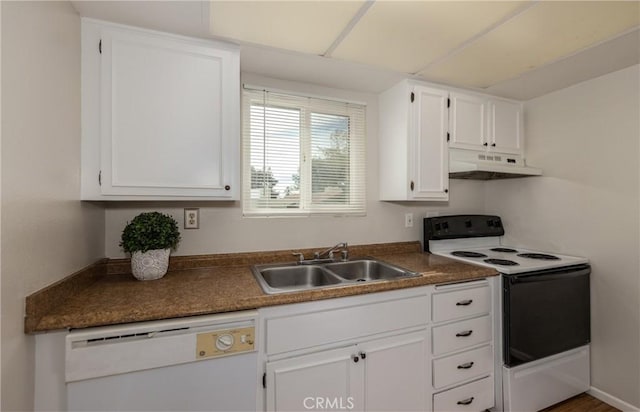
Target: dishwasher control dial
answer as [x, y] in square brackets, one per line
[224, 342]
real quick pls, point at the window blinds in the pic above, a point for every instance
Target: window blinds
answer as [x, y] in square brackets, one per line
[302, 155]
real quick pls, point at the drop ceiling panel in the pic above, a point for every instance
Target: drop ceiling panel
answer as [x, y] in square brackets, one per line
[303, 26]
[541, 35]
[407, 35]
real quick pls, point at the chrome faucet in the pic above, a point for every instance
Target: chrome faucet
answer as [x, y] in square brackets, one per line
[344, 253]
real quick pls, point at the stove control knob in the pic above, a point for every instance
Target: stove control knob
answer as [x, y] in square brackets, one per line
[224, 342]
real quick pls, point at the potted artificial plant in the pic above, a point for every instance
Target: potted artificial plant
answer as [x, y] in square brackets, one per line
[149, 238]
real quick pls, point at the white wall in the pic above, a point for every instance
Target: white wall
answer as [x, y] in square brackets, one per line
[47, 233]
[586, 140]
[223, 229]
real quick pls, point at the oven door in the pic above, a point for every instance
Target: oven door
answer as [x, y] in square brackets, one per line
[545, 313]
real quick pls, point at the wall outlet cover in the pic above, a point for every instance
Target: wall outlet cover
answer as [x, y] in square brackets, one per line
[408, 220]
[192, 218]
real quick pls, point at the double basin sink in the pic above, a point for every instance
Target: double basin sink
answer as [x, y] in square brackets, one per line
[293, 277]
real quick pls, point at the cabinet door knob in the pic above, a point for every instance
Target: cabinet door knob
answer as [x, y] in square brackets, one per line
[411, 185]
[466, 401]
[464, 334]
[464, 302]
[446, 190]
[355, 358]
[485, 144]
[493, 145]
[227, 187]
[467, 365]
[363, 355]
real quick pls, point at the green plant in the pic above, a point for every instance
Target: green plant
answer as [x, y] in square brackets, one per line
[150, 230]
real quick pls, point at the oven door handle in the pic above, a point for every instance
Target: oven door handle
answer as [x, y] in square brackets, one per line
[548, 277]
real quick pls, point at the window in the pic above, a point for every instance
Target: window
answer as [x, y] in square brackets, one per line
[302, 155]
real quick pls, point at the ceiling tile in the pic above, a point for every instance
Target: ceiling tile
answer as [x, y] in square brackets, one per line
[541, 35]
[407, 35]
[303, 26]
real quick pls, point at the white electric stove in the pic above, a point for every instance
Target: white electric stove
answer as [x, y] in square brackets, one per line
[544, 333]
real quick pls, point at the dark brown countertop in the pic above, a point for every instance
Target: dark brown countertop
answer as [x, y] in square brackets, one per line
[99, 295]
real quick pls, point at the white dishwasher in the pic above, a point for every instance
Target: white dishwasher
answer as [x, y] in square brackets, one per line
[202, 363]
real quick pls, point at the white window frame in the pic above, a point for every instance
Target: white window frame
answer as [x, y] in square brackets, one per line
[355, 111]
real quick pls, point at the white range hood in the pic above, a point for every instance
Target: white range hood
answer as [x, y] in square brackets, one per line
[469, 164]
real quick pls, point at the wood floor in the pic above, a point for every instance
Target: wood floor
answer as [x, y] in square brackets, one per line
[581, 403]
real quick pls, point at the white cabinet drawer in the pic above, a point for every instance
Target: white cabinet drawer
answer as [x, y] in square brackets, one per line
[289, 331]
[460, 335]
[472, 397]
[461, 303]
[463, 366]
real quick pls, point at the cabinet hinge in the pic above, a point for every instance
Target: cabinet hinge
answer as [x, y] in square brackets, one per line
[448, 136]
[100, 46]
[413, 97]
[100, 178]
[448, 102]
[264, 380]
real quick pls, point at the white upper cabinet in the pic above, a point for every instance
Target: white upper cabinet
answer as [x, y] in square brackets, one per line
[484, 123]
[413, 143]
[505, 126]
[468, 121]
[161, 116]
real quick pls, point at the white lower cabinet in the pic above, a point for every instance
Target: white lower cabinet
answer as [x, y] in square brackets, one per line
[463, 349]
[310, 381]
[386, 351]
[396, 373]
[362, 353]
[463, 366]
[460, 335]
[475, 396]
[387, 374]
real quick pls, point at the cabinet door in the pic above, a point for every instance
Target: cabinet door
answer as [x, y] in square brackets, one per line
[396, 373]
[319, 381]
[428, 150]
[505, 126]
[169, 116]
[467, 122]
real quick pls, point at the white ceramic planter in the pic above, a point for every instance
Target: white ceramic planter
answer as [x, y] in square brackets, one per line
[150, 265]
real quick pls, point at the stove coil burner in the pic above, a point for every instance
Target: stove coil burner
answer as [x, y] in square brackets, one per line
[504, 250]
[501, 262]
[464, 253]
[541, 256]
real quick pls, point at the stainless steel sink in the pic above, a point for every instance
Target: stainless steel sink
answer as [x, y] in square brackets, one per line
[290, 277]
[367, 270]
[298, 277]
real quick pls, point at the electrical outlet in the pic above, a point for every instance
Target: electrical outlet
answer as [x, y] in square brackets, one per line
[408, 220]
[192, 218]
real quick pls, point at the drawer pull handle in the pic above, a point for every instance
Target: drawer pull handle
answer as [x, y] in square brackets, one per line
[464, 334]
[464, 302]
[466, 401]
[467, 365]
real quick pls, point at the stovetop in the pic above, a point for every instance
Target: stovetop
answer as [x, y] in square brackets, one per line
[477, 239]
[510, 260]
